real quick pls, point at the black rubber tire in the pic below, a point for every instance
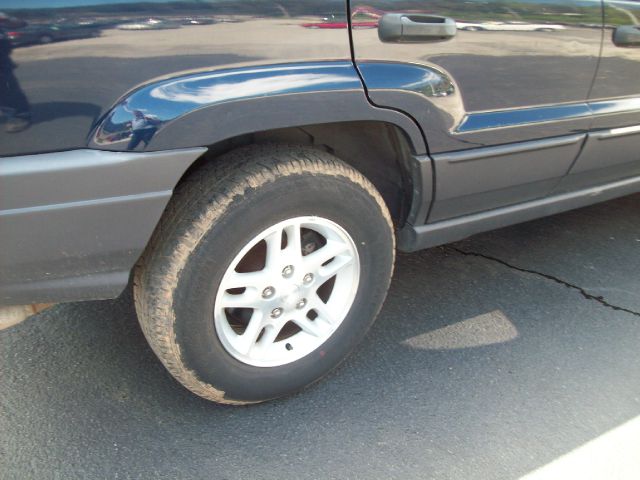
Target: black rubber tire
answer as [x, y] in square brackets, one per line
[213, 214]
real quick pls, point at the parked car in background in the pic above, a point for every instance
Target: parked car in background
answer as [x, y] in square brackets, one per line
[43, 34]
[253, 182]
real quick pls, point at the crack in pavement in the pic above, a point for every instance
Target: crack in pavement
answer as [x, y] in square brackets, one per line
[564, 283]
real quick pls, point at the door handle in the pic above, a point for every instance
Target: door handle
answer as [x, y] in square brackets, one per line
[415, 28]
[627, 36]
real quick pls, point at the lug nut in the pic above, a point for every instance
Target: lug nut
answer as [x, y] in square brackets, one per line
[276, 312]
[287, 271]
[308, 278]
[268, 292]
[301, 303]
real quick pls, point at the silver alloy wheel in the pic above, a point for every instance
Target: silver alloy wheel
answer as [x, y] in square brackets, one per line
[302, 288]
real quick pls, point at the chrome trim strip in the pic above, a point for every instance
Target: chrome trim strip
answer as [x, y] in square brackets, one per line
[515, 117]
[615, 105]
[522, 116]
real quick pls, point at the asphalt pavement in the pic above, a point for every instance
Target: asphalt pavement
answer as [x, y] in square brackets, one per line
[510, 354]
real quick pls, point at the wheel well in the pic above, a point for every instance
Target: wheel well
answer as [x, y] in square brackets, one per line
[380, 151]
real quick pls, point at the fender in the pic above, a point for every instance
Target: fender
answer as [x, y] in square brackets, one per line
[207, 107]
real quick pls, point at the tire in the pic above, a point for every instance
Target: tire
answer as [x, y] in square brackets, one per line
[180, 283]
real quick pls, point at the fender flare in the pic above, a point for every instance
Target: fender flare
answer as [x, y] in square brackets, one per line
[205, 108]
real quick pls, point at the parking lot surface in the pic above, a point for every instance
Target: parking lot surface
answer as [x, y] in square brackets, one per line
[506, 355]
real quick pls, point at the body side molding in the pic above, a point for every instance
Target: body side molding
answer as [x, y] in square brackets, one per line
[502, 150]
[413, 238]
[485, 178]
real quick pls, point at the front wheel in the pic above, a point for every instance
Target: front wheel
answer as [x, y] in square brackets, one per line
[267, 269]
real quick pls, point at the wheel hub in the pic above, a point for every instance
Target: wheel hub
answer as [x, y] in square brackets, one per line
[291, 299]
[287, 290]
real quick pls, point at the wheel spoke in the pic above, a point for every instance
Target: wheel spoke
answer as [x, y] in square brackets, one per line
[314, 261]
[338, 263]
[269, 336]
[294, 242]
[247, 340]
[309, 326]
[274, 249]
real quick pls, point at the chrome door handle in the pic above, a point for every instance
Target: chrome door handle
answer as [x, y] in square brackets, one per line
[415, 28]
[627, 36]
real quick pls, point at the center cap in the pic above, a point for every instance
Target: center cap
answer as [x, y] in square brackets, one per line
[291, 297]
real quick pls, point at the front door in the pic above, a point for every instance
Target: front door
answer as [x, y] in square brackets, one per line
[499, 88]
[612, 151]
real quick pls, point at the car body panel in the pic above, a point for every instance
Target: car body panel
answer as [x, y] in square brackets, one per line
[85, 78]
[515, 84]
[612, 151]
[503, 69]
[80, 241]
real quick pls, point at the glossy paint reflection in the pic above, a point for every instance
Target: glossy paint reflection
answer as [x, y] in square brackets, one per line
[74, 61]
[427, 82]
[170, 99]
